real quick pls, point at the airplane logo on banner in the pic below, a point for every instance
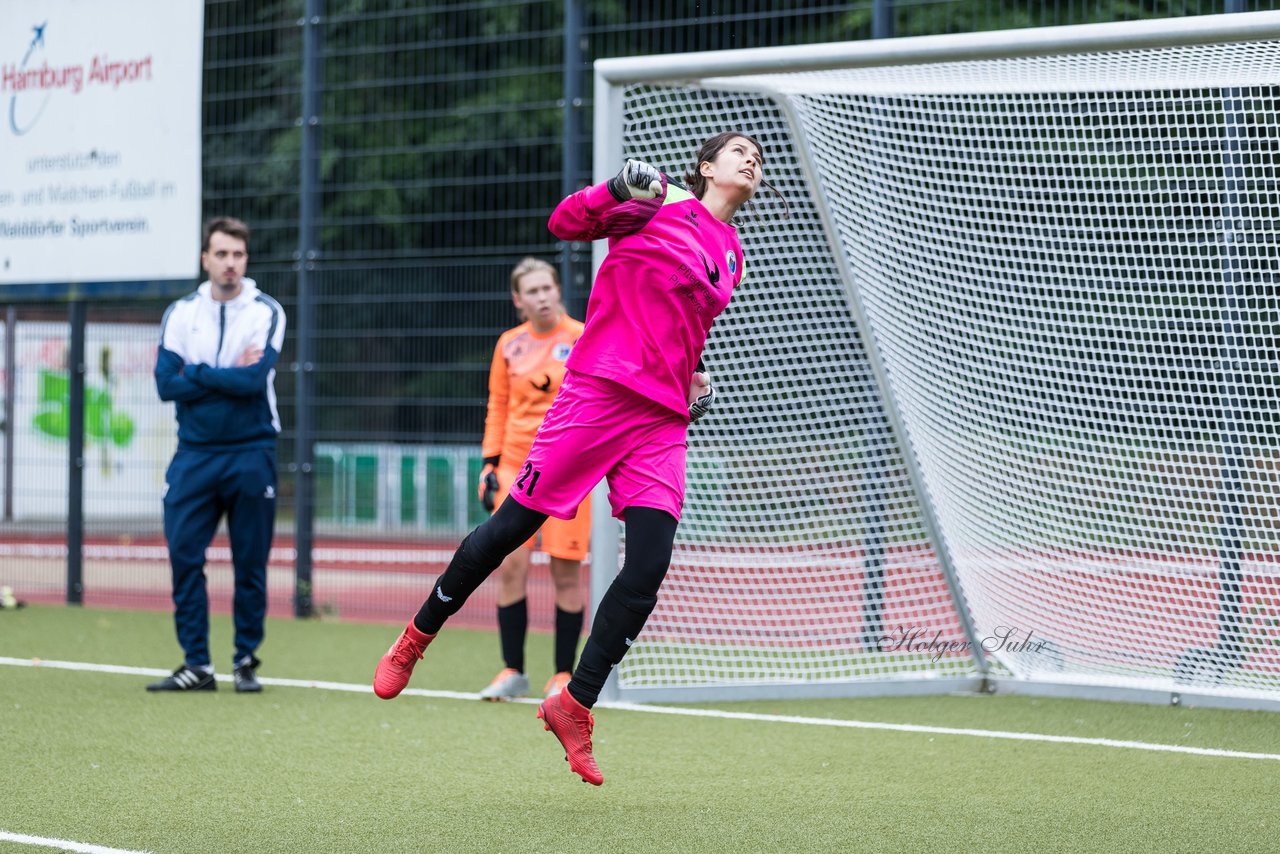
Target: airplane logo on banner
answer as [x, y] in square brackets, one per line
[29, 78]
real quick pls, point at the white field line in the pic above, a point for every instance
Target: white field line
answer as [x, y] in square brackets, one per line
[62, 844]
[695, 713]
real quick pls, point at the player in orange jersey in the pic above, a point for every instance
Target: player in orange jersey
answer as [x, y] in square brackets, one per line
[527, 369]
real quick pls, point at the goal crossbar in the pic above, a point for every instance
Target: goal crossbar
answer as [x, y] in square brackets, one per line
[919, 50]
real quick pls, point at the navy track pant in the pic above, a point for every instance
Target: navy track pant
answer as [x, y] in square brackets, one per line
[200, 488]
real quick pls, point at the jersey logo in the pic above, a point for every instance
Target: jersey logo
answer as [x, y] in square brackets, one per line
[515, 350]
[731, 259]
[546, 384]
[713, 276]
[560, 352]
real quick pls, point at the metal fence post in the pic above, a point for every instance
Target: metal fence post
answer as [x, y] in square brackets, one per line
[308, 255]
[1234, 377]
[10, 390]
[882, 19]
[75, 454]
[877, 439]
[571, 281]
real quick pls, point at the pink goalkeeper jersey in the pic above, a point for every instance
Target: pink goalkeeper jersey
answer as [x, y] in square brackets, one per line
[671, 269]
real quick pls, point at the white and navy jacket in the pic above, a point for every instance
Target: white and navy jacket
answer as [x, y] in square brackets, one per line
[221, 407]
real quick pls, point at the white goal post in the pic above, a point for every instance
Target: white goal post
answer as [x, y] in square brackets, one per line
[998, 402]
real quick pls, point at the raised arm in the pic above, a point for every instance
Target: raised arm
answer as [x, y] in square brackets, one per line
[620, 206]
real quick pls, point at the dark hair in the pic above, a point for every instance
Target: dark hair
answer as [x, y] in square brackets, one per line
[696, 182]
[228, 225]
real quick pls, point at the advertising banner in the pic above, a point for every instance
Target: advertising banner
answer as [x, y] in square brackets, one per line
[99, 144]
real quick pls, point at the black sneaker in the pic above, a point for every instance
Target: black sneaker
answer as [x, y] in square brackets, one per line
[247, 676]
[186, 679]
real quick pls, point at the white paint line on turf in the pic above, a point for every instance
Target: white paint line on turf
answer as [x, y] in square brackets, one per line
[696, 713]
[63, 844]
[265, 680]
[937, 730]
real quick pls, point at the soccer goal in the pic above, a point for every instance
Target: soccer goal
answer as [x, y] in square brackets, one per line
[999, 400]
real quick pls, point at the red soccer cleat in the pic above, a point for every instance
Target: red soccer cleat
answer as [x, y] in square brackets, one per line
[396, 666]
[572, 723]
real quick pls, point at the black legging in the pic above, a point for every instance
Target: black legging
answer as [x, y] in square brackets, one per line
[623, 611]
[628, 602]
[475, 560]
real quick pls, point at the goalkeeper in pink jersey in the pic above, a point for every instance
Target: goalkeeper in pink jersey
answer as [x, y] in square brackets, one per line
[632, 385]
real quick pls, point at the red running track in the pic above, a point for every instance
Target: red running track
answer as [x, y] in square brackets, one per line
[360, 580]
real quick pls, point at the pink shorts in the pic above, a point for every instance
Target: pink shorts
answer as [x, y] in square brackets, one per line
[566, 539]
[595, 429]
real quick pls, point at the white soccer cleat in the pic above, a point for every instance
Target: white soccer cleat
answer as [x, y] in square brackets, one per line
[507, 685]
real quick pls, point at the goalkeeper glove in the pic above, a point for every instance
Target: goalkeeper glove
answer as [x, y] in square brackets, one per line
[637, 180]
[488, 487]
[701, 394]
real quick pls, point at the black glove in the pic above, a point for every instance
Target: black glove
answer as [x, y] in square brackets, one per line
[701, 404]
[637, 180]
[490, 490]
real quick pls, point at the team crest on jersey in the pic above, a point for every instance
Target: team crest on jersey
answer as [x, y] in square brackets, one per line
[560, 352]
[731, 260]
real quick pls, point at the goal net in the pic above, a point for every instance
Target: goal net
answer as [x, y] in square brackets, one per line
[997, 399]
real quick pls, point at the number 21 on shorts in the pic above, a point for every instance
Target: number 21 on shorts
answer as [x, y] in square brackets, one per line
[530, 474]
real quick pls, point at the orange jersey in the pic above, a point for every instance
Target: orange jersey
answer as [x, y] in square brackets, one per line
[525, 375]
